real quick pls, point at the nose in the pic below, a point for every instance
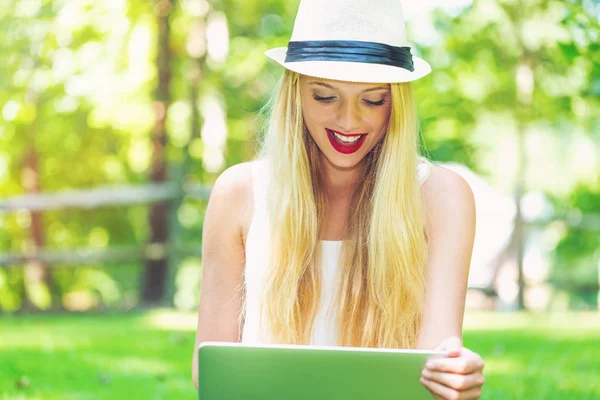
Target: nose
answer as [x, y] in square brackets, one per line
[348, 117]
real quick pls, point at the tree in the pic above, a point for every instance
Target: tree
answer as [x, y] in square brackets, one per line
[156, 268]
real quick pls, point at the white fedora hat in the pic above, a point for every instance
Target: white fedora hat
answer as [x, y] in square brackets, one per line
[351, 40]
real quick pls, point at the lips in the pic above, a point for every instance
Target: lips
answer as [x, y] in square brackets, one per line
[342, 146]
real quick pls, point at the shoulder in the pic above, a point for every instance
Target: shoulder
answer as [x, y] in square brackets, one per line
[443, 186]
[232, 193]
[448, 200]
[235, 180]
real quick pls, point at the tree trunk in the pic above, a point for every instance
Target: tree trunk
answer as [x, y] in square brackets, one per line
[197, 52]
[38, 277]
[525, 85]
[156, 267]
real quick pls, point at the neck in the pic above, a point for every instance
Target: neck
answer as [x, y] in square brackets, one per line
[341, 183]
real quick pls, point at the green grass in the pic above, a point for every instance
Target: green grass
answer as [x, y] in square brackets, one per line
[537, 356]
[147, 355]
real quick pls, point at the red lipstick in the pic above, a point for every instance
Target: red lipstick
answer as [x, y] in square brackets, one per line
[345, 147]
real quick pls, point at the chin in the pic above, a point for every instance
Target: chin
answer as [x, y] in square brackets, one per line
[343, 162]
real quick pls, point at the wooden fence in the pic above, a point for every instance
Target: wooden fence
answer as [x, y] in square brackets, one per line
[124, 195]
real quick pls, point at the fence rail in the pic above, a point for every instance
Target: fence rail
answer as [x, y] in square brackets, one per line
[103, 196]
[87, 256]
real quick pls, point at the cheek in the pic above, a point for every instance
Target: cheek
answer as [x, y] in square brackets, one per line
[314, 114]
[380, 121]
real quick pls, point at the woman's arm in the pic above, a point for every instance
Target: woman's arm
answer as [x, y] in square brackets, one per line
[450, 224]
[450, 208]
[223, 260]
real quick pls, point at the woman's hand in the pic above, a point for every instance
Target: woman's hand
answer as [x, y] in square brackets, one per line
[458, 376]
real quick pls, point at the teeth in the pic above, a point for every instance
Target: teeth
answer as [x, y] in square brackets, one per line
[347, 139]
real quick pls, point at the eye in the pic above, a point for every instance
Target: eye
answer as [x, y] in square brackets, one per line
[375, 103]
[323, 99]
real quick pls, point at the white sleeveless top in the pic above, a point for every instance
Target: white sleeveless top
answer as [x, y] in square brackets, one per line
[256, 253]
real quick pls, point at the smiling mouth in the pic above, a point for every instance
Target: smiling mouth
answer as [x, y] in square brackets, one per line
[346, 138]
[345, 143]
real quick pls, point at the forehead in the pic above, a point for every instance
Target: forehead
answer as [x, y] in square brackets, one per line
[342, 86]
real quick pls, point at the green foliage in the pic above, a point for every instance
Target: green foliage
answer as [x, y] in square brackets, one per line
[577, 254]
[478, 109]
[475, 59]
[78, 82]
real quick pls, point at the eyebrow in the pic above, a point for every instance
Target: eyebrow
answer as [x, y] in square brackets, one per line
[334, 88]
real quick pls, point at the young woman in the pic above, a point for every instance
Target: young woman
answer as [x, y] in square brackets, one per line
[340, 233]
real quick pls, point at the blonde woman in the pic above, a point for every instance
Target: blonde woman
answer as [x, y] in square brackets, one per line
[340, 233]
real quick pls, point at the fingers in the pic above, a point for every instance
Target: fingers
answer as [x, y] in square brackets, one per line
[458, 376]
[448, 393]
[460, 365]
[455, 381]
[452, 346]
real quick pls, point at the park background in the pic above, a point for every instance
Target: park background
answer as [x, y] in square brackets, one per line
[116, 117]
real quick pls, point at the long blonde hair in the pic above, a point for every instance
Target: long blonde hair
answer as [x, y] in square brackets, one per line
[382, 259]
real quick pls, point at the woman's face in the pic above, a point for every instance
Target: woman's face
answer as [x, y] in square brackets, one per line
[345, 119]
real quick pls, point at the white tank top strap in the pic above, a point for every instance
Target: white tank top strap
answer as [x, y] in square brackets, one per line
[424, 169]
[259, 174]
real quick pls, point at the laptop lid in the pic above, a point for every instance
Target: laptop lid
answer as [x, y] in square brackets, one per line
[284, 372]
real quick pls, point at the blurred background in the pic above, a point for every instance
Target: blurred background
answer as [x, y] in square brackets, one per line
[116, 117]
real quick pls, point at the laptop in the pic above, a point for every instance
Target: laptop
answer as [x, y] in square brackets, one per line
[229, 371]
